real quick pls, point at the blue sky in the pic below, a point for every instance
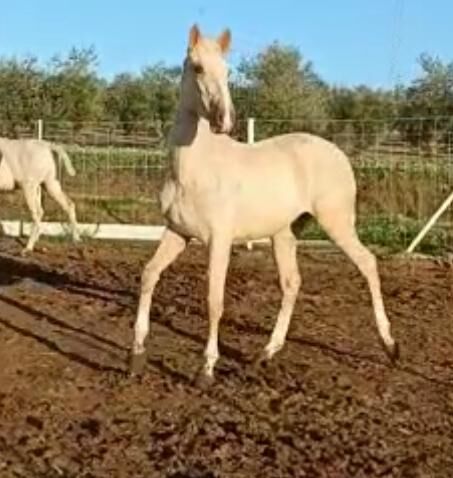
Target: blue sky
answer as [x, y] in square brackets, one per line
[350, 42]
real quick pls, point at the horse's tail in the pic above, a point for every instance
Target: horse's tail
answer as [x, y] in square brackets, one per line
[63, 156]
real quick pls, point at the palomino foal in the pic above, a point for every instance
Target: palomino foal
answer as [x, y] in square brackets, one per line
[220, 190]
[30, 163]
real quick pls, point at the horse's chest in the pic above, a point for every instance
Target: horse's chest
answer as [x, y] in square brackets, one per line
[179, 207]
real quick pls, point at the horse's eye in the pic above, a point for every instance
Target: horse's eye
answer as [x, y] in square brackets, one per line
[197, 68]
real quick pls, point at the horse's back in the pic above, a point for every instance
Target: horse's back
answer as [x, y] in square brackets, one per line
[315, 161]
[299, 173]
[30, 160]
[305, 147]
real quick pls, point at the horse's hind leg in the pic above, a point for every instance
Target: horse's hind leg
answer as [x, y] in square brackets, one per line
[171, 245]
[340, 225]
[284, 248]
[32, 193]
[53, 187]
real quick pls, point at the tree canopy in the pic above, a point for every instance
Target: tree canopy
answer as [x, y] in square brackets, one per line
[278, 86]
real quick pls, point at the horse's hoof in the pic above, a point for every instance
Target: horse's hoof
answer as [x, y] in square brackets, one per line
[25, 252]
[203, 381]
[260, 359]
[137, 364]
[393, 352]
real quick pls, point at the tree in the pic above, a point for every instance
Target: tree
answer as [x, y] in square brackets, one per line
[148, 98]
[126, 101]
[359, 116]
[73, 91]
[429, 101]
[21, 90]
[282, 89]
[162, 86]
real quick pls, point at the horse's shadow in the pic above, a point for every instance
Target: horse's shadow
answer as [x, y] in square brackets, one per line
[103, 353]
[14, 270]
[347, 355]
[96, 352]
[107, 355]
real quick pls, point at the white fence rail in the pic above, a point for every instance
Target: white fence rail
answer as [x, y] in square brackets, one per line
[404, 174]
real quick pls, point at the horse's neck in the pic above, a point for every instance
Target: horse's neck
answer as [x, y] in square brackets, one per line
[189, 138]
[189, 131]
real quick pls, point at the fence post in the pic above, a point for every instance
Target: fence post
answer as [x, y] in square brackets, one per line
[250, 130]
[40, 129]
[443, 207]
[250, 140]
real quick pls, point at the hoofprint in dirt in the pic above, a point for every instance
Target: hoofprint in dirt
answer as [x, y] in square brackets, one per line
[329, 405]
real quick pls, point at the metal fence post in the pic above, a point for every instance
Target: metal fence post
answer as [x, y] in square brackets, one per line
[250, 140]
[250, 130]
[40, 124]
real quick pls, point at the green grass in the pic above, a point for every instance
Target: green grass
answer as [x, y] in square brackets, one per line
[394, 235]
[396, 195]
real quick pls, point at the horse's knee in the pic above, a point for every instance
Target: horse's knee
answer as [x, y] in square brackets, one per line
[291, 284]
[149, 278]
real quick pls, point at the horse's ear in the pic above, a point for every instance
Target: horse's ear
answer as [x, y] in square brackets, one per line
[194, 36]
[224, 40]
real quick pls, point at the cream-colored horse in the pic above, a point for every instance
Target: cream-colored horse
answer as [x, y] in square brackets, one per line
[220, 190]
[30, 163]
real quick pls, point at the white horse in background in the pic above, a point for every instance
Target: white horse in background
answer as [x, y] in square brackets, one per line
[29, 163]
[220, 190]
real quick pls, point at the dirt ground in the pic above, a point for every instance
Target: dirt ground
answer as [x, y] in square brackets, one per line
[329, 405]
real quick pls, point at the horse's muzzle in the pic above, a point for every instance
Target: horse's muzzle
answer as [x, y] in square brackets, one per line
[222, 121]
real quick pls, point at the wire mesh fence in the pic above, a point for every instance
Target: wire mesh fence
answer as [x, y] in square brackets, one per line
[404, 171]
[403, 167]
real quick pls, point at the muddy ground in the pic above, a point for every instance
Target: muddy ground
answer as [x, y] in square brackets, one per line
[329, 405]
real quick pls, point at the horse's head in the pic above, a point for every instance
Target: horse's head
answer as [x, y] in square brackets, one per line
[205, 80]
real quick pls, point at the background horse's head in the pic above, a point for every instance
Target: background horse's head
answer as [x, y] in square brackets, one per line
[205, 80]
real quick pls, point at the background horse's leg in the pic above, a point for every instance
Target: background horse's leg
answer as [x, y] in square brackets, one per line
[219, 257]
[171, 245]
[285, 248]
[53, 187]
[32, 193]
[340, 225]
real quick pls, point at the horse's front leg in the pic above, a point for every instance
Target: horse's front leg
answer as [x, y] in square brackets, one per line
[219, 257]
[171, 245]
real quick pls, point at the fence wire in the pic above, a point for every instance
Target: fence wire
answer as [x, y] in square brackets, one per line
[403, 174]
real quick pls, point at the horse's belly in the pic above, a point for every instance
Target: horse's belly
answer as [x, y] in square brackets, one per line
[260, 229]
[259, 221]
[270, 199]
